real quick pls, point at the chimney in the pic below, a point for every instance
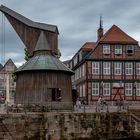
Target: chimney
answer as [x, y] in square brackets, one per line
[100, 30]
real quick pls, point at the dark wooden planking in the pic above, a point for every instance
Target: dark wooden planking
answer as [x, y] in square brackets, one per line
[29, 35]
[36, 90]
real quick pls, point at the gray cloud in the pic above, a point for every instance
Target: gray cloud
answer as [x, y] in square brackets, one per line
[77, 21]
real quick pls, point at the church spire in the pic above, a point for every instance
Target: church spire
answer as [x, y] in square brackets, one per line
[100, 30]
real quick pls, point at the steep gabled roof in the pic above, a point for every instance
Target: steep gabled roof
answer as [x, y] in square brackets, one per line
[115, 34]
[88, 46]
[10, 62]
[27, 21]
[1, 66]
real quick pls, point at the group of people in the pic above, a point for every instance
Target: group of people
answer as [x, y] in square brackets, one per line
[101, 102]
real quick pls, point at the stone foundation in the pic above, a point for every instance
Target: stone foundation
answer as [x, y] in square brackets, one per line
[70, 126]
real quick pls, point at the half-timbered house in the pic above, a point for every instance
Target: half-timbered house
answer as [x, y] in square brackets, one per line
[110, 67]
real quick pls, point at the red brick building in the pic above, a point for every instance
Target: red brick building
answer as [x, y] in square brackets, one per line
[108, 67]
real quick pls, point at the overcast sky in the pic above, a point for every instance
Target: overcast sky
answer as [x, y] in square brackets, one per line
[77, 21]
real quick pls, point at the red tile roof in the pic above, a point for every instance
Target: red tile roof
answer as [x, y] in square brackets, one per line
[88, 46]
[115, 34]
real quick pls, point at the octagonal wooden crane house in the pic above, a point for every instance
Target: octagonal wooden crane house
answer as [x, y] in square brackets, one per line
[44, 79]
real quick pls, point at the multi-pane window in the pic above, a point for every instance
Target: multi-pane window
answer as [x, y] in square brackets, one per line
[117, 68]
[80, 87]
[138, 89]
[137, 68]
[106, 49]
[82, 90]
[118, 49]
[106, 68]
[83, 70]
[129, 49]
[106, 89]
[95, 89]
[71, 64]
[80, 73]
[128, 68]
[128, 89]
[75, 60]
[95, 68]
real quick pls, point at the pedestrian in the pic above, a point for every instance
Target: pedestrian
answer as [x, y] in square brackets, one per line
[101, 102]
[78, 104]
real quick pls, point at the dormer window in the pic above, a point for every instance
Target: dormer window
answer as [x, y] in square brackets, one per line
[118, 49]
[106, 49]
[129, 49]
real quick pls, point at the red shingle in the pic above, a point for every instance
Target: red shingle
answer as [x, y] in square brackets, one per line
[115, 34]
[88, 45]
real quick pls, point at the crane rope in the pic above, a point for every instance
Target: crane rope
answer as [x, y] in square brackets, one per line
[3, 40]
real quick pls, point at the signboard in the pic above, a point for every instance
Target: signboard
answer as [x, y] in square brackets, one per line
[118, 85]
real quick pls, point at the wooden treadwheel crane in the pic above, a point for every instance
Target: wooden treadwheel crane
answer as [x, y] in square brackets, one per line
[29, 31]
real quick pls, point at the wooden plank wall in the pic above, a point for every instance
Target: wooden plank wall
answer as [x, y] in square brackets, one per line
[33, 87]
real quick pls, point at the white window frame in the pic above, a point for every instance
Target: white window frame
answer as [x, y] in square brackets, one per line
[95, 89]
[106, 68]
[128, 89]
[118, 49]
[138, 89]
[128, 68]
[130, 47]
[106, 49]
[117, 68]
[138, 68]
[95, 68]
[83, 70]
[106, 89]
[82, 90]
[75, 60]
